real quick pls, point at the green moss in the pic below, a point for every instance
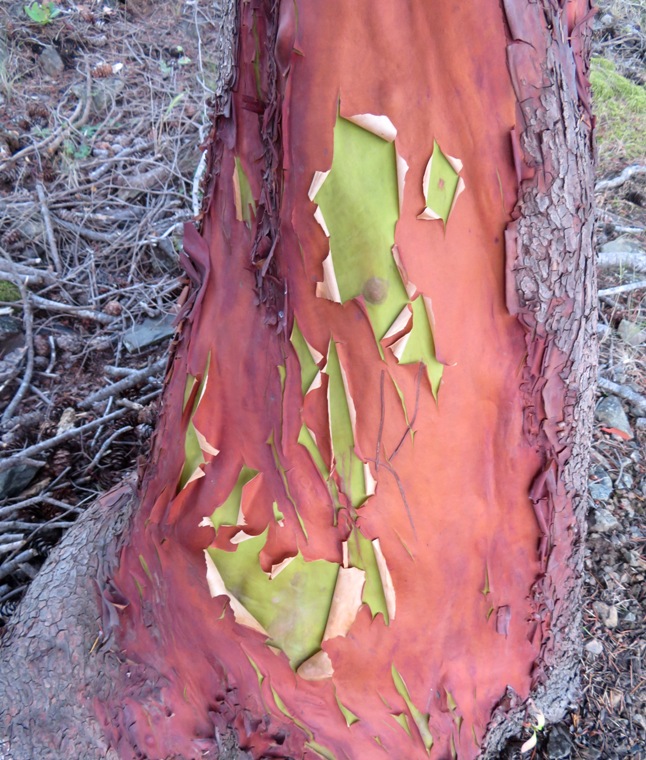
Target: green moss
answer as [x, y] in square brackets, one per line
[620, 107]
[8, 291]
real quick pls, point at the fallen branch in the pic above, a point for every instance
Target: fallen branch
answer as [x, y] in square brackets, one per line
[49, 230]
[622, 288]
[77, 311]
[93, 235]
[12, 565]
[105, 446]
[10, 510]
[620, 259]
[636, 170]
[128, 382]
[29, 275]
[8, 462]
[623, 391]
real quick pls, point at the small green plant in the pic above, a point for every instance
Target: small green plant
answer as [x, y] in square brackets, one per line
[42, 13]
[535, 727]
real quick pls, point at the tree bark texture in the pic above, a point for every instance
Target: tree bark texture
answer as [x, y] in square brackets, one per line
[394, 415]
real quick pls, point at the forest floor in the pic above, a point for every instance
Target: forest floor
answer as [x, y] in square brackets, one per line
[103, 107]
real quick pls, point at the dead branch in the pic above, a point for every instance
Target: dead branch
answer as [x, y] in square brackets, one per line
[636, 170]
[621, 259]
[104, 447]
[8, 462]
[6, 568]
[136, 378]
[47, 220]
[76, 311]
[623, 391]
[622, 288]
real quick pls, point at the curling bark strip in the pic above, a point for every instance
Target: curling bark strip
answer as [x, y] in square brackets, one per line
[354, 558]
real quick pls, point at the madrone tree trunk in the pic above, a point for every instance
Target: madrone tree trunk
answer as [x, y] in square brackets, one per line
[359, 533]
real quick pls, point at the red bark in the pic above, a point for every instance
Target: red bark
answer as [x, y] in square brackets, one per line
[475, 514]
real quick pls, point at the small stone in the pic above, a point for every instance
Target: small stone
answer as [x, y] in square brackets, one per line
[624, 481]
[149, 332]
[559, 746]
[604, 521]
[9, 326]
[16, 479]
[631, 333]
[603, 331]
[51, 61]
[630, 617]
[105, 92]
[67, 421]
[640, 720]
[622, 244]
[600, 484]
[610, 413]
[607, 613]
[594, 647]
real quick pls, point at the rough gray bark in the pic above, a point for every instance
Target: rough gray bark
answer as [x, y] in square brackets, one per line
[551, 287]
[52, 664]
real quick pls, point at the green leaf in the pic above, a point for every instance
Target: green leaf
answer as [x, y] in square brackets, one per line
[42, 13]
[359, 202]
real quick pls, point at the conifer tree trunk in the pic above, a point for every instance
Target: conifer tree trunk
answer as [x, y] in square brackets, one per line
[359, 534]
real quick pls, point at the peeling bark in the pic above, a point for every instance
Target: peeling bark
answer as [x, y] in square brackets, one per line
[471, 567]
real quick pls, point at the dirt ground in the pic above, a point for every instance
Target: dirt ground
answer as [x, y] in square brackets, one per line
[103, 107]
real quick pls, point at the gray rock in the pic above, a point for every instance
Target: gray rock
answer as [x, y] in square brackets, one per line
[9, 326]
[594, 646]
[622, 244]
[600, 484]
[16, 479]
[607, 613]
[51, 62]
[603, 331]
[559, 745]
[604, 521]
[149, 332]
[610, 413]
[624, 481]
[105, 92]
[632, 333]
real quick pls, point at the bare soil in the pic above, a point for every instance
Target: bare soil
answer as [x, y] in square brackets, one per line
[102, 112]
